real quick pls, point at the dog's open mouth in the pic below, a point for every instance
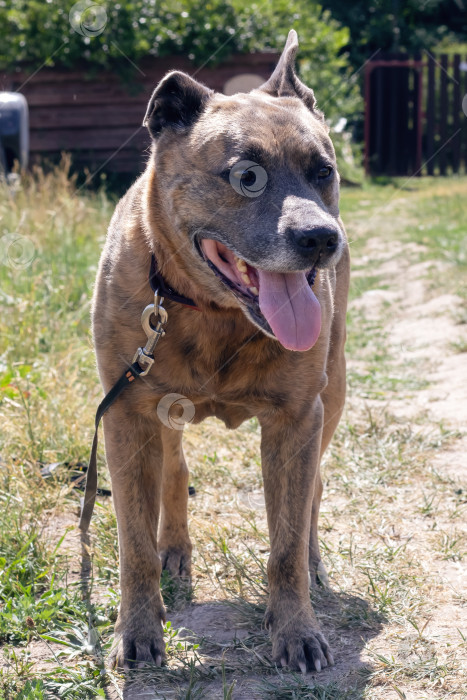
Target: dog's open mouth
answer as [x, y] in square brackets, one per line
[282, 303]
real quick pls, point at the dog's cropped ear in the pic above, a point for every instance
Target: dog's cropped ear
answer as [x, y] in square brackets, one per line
[284, 82]
[177, 101]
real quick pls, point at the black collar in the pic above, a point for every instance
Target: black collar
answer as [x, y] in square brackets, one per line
[159, 285]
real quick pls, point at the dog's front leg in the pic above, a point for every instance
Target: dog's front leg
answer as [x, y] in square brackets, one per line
[290, 449]
[134, 456]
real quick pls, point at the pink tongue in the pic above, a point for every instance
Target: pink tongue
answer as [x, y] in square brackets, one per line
[290, 308]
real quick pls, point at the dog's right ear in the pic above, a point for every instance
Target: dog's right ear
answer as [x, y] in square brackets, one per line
[177, 101]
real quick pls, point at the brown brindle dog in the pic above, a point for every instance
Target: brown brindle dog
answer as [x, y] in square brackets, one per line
[239, 205]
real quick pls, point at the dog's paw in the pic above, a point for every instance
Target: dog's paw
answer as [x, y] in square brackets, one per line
[177, 561]
[139, 643]
[318, 576]
[321, 576]
[301, 647]
[137, 651]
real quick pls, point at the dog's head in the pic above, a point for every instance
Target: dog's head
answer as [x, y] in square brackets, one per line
[250, 186]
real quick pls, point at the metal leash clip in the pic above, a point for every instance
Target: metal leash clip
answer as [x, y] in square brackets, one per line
[145, 356]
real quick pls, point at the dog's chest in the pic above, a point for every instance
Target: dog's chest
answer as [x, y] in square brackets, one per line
[236, 381]
[232, 415]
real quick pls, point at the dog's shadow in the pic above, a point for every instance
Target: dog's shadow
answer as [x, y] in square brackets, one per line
[220, 643]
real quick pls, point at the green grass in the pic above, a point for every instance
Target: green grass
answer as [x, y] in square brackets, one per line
[390, 519]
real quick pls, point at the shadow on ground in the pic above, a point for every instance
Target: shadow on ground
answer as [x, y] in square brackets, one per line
[234, 654]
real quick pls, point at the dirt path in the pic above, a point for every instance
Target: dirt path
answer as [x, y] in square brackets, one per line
[426, 333]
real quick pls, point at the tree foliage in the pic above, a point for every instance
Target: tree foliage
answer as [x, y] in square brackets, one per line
[394, 25]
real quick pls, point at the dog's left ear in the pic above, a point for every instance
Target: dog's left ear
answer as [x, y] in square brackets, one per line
[177, 101]
[284, 82]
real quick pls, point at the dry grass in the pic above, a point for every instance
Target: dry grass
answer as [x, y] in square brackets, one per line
[393, 517]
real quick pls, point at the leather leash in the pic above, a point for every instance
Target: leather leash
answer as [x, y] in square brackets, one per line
[142, 363]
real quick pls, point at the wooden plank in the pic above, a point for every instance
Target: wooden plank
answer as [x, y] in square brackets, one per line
[48, 96]
[457, 111]
[368, 126]
[392, 133]
[412, 118]
[418, 119]
[128, 161]
[430, 117]
[444, 110]
[87, 116]
[379, 121]
[95, 139]
[464, 121]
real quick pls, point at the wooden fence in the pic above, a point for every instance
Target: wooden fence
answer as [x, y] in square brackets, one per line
[98, 120]
[416, 115]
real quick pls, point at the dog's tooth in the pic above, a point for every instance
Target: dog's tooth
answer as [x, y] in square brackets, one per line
[241, 265]
[254, 290]
[246, 279]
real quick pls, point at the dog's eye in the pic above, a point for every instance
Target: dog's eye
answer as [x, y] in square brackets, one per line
[239, 175]
[324, 172]
[248, 178]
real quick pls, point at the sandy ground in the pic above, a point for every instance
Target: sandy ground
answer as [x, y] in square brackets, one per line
[422, 329]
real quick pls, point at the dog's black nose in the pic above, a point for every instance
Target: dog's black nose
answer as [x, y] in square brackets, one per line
[316, 241]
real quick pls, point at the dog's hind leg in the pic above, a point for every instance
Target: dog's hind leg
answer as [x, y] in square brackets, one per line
[316, 567]
[332, 414]
[134, 456]
[333, 398]
[174, 541]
